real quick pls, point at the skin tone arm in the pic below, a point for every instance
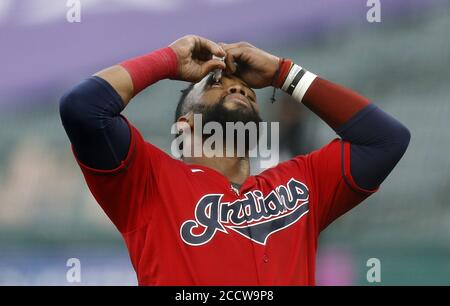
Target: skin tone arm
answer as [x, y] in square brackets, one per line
[194, 55]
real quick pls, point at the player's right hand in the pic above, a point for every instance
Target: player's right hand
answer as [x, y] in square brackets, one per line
[195, 57]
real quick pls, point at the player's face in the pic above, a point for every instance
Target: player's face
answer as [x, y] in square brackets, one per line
[227, 100]
[230, 91]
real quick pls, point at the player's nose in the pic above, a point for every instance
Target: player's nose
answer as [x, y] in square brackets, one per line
[237, 88]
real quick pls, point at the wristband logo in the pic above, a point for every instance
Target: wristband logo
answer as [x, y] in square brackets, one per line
[255, 217]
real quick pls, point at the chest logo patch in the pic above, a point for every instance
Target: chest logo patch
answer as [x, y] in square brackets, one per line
[254, 216]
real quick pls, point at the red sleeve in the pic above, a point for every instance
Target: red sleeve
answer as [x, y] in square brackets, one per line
[336, 191]
[124, 192]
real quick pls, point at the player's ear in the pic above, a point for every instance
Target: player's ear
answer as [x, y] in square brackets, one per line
[187, 118]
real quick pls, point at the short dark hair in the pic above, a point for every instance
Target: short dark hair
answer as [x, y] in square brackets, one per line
[184, 93]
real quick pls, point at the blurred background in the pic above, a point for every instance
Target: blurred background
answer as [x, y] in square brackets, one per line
[47, 214]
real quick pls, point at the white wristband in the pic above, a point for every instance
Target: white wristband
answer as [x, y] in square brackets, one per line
[303, 85]
[297, 82]
[291, 75]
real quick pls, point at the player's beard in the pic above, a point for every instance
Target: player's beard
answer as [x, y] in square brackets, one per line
[219, 113]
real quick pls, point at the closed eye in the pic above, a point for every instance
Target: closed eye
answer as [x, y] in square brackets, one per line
[211, 82]
[215, 83]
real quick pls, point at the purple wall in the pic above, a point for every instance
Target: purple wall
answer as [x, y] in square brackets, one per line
[40, 59]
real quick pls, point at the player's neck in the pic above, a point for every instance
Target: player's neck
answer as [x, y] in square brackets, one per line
[235, 169]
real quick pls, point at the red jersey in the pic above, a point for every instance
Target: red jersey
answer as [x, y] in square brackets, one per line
[185, 224]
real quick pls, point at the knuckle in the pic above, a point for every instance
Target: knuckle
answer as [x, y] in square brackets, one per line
[190, 38]
[243, 44]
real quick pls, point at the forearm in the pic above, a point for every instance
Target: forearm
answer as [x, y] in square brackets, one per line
[132, 76]
[378, 141]
[333, 103]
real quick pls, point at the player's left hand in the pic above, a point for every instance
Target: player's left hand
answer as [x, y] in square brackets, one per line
[254, 66]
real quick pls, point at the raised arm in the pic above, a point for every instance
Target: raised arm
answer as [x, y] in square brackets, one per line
[90, 111]
[378, 141]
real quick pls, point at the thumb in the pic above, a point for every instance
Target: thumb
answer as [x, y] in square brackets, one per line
[212, 65]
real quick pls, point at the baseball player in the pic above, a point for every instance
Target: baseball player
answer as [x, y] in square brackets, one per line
[205, 220]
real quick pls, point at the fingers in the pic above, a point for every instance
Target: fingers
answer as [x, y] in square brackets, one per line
[231, 52]
[241, 44]
[211, 65]
[212, 47]
[234, 54]
[230, 61]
